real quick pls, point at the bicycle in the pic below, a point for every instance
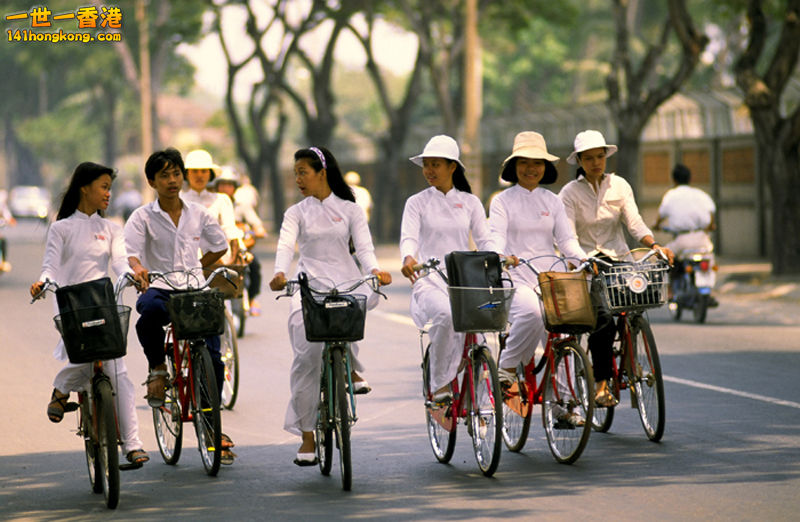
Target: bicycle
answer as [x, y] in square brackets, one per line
[566, 388]
[476, 399]
[631, 288]
[93, 335]
[191, 394]
[335, 317]
[229, 349]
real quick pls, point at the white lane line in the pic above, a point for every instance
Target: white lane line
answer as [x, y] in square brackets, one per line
[763, 398]
[404, 319]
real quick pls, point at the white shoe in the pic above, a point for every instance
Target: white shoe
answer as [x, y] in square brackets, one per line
[361, 387]
[306, 459]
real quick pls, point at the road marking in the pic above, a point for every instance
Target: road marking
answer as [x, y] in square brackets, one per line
[404, 319]
[763, 398]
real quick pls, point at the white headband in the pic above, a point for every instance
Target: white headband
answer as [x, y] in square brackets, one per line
[320, 155]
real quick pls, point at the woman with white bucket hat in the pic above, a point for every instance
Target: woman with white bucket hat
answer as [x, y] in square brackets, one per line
[598, 205]
[528, 220]
[435, 222]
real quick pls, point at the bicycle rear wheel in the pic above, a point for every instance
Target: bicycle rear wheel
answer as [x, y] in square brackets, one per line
[230, 357]
[567, 402]
[205, 409]
[647, 383]
[108, 452]
[342, 417]
[323, 433]
[239, 313]
[486, 413]
[167, 419]
[90, 445]
[440, 420]
[603, 417]
[517, 413]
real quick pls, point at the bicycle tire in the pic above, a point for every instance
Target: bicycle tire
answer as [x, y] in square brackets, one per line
[168, 419]
[323, 433]
[647, 383]
[90, 445]
[517, 413]
[205, 409]
[230, 357]
[568, 388]
[239, 313]
[342, 417]
[108, 451]
[603, 417]
[700, 309]
[440, 421]
[485, 412]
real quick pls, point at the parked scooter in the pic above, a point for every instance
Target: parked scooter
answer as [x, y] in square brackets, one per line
[692, 280]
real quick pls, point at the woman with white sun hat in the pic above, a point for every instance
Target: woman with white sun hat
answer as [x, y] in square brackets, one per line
[598, 205]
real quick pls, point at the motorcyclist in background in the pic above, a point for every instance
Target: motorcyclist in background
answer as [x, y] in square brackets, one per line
[689, 214]
[6, 218]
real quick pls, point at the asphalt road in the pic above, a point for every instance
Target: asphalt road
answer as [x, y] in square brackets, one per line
[731, 450]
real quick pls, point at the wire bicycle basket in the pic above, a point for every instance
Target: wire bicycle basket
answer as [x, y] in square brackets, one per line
[635, 286]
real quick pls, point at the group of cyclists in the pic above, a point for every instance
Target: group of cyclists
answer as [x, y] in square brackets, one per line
[189, 227]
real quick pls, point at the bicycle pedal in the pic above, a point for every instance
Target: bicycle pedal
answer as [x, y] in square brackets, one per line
[131, 466]
[563, 425]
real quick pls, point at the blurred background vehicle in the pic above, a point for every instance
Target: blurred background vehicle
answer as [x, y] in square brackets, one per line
[29, 201]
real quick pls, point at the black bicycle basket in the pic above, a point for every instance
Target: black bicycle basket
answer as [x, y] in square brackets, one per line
[92, 326]
[197, 314]
[338, 317]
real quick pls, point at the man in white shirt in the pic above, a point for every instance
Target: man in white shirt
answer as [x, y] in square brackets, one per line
[689, 214]
[164, 236]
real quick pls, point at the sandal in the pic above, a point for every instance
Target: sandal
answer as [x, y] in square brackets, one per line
[606, 399]
[156, 387]
[59, 405]
[226, 456]
[136, 459]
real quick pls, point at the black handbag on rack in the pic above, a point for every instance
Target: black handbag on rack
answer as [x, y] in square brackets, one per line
[479, 301]
[338, 317]
[474, 269]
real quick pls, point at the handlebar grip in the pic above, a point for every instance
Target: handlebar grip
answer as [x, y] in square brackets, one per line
[418, 267]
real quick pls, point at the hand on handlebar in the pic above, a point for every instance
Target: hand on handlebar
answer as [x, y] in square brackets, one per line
[384, 278]
[278, 282]
[410, 269]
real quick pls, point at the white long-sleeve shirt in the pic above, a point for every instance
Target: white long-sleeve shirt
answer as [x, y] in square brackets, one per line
[598, 217]
[79, 248]
[528, 224]
[218, 205]
[322, 230]
[687, 208]
[152, 237]
[435, 224]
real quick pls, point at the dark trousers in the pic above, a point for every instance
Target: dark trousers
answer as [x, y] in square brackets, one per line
[601, 340]
[153, 316]
[254, 285]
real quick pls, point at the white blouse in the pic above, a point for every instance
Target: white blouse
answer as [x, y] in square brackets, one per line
[528, 223]
[152, 237]
[598, 216]
[323, 229]
[80, 247]
[220, 206]
[435, 224]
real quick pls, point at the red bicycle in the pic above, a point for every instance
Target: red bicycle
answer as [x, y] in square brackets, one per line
[477, 399]
[192, 394]
[564, 391]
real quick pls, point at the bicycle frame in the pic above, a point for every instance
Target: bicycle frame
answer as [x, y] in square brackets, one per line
[327, 379]
[184, 372]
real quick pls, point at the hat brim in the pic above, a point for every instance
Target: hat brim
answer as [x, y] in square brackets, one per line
[572, 159]
[214, 169]
[417, 160]
[509, 172]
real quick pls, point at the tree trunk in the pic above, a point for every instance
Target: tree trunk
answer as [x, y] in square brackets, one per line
[627, 158]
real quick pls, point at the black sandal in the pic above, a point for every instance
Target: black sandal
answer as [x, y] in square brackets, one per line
[58, 406]
[136, 459]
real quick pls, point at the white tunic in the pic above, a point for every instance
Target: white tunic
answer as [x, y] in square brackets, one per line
[598, 216]
[152, 237]
[218, 205]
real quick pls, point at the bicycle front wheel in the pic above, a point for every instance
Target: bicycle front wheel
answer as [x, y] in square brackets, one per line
[90, 444]
[486, 414]
[323, 433]
[647, 383]
[517, 413]
[167, 419]
[567, 402]
[205, 409]
[603, 417]
[342, 417]
[108, 452]
[440, 420]
[230, 357]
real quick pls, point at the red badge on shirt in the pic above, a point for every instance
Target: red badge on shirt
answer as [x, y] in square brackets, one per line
[100, 237]
[336, 219]
[458, 205]
[545, 213]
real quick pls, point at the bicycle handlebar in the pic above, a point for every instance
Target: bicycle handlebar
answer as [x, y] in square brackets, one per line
[374, 283]
[226, 272]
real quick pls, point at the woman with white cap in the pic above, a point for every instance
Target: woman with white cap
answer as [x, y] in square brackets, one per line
[599, 204]
[321, 225]
[435, 222]
[528, 220]
[200, 171]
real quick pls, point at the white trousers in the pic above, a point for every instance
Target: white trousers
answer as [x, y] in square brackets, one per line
[304, 377]
[77, 377]
[527, 330]
[432, 304]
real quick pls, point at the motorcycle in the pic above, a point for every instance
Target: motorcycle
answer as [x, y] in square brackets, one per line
[694, 277]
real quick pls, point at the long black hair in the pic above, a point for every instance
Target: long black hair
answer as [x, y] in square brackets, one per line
[84, 174]
[335, 179]
[460, 178]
